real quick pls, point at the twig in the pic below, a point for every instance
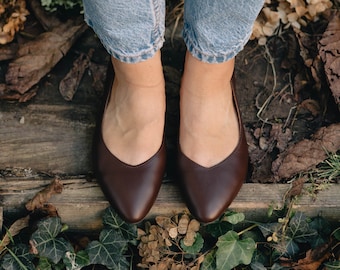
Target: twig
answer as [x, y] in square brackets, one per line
[272, 95]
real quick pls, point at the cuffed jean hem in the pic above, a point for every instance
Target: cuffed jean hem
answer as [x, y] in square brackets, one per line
[131, 31]
[133, 58]
[217, 58]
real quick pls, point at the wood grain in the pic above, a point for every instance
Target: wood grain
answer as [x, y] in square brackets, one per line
[81, 203]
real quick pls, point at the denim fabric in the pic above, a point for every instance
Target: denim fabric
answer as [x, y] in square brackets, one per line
[132, 31]
[216, 30]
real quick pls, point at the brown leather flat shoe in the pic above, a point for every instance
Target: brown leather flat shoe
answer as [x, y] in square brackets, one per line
[209, 191]
[131, 190]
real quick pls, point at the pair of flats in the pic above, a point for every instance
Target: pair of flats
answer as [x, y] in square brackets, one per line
[132, 190]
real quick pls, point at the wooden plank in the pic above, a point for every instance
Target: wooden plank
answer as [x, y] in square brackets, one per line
[81, 203]
[53, 138]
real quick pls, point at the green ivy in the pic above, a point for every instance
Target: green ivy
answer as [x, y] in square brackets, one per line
[232, 243]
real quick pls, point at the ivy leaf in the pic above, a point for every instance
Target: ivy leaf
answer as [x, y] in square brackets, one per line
[209, 262]
[109, 250]
[232, 251]
[112, 220]
[299, 230]
[18, 258]
[44, 263]
[196, 246]
[291, 247]
[217, 229]
[233, 217]
[45, 241]
[76, 261]
[336, 234]
[322, 227]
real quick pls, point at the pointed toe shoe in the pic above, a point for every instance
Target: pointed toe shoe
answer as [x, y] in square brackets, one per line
[209, 191]
[131, 190]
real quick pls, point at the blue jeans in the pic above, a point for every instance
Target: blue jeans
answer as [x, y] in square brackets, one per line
[132, 31]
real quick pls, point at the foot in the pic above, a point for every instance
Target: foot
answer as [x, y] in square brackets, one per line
[133, 121]
[209, 129]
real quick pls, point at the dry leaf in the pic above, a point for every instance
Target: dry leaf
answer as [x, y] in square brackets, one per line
[163, 222]
[306, 154]
[296, 188]
[173, 232]
[12, 21]
[69, 84]
[37, 57]
[42, 197]
[15, 229]
[183, 224]
[193, 227]
[314, 258]
[330, 54]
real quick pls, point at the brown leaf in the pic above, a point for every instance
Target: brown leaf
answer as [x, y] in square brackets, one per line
[183, 224]
[193, 227]
[69, 84]
[42, 197]
[37, 57]
[163, 221]
[98, 73]
[296, 187]
[330, 54]
[306, 154]
[314, 258]
[15, 229]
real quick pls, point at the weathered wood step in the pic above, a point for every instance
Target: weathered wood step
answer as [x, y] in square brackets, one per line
[81, 203]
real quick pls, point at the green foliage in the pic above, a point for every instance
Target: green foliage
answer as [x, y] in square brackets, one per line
[209, 262]
[109, 250]
[228, 243]
[233, 218]
[196, 247]
[76, 261]
[53, 251]
[18, 258]
[113, 221]
[232, 251]
[54, 5]
[47, 243]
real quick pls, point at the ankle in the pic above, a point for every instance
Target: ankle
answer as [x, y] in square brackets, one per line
[146, 74]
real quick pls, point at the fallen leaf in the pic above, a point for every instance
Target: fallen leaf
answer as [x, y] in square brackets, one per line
[183, 224]
[42, 197]
[330, 54]
[37, 57]
[69, 84]
[15, 229]
[296, 187]
[313, 259]
[306, 154]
